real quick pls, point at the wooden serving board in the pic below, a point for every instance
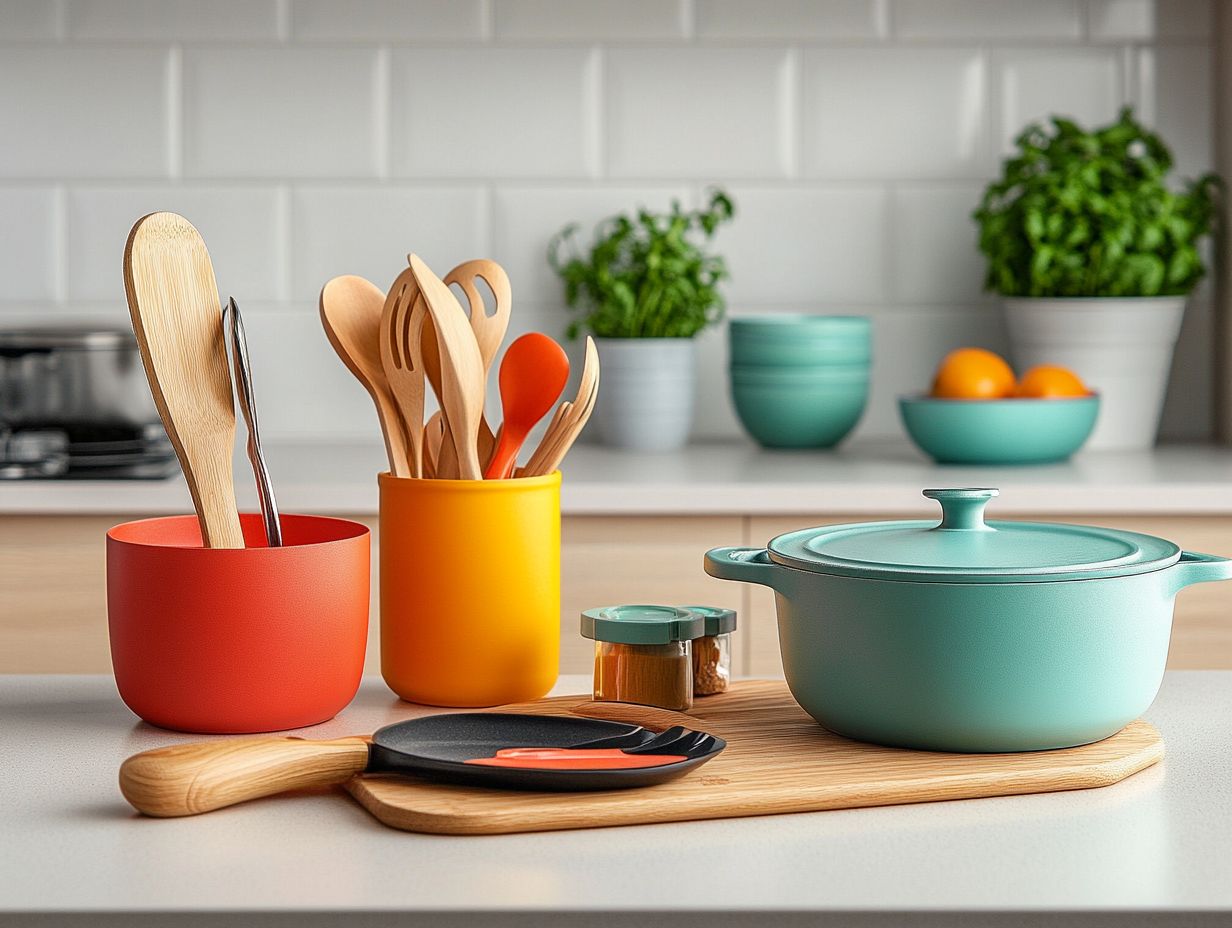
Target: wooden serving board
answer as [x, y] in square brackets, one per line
[777, 760]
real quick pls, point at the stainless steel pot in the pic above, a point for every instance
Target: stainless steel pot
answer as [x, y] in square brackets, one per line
[66, 375]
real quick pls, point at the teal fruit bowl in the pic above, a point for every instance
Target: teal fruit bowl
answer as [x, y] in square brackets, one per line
[971, 636]
[1012, 431]
[800, 340]
[790, 413]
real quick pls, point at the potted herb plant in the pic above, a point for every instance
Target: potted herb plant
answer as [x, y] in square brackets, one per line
[1093, 254]
[645, 288]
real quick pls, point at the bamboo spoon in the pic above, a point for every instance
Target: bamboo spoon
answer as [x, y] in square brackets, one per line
[351, 316]
[569, 420]
[532, 376]
[462, 380]
[489, 335]
[402, 322]
[177, 318]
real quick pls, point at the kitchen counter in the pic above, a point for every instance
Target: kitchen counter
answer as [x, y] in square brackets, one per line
[1148, 850]
[718, 479]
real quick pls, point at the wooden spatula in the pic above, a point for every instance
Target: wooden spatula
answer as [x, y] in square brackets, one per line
[177, 317]
[489, 335]
[462, 382]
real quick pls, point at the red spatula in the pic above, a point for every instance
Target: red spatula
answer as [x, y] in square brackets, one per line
[532, 376]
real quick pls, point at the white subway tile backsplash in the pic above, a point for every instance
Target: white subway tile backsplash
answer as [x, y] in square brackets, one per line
[21, 20]
[524, 220]
[241, 226]
[524, 112]
[933, 253]
[303, 389]
[987, 19]
[387, 20]
[1082, 83]
[596, 19]
[700, 112]
[804, 246]
[1175, 96]
[29, 246]
[368, 231]
[174, 20]
[265, 112]
[918, 112]
[790, 19]
[1147, 20]
[84, 112]
[310, 138]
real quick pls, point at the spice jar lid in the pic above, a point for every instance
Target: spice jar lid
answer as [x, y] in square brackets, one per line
[642, 624]
[719, 621]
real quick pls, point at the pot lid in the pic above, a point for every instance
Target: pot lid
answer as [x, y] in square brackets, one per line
[76, 335]
[963, 548]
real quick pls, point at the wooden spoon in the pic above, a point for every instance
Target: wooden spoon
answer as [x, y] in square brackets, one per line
[569, 421]
[402, 320]
[462, 379]
[351, 316]
[177, 317]
[489, 335]
[532, 376]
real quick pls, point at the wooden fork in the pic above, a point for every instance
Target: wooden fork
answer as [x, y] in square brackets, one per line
[568, 422]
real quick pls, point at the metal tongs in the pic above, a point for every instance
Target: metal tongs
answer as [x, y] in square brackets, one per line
[234, 326]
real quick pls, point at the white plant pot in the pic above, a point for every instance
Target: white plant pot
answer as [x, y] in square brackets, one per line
[646, 388]
[1120, 347]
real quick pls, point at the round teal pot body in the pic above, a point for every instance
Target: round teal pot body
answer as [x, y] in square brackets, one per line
[972, 667]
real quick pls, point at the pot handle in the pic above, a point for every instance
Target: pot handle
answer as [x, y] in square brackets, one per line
[1194, 567]
[752, 565]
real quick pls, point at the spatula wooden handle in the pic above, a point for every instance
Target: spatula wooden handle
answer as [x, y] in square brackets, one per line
[187, 779]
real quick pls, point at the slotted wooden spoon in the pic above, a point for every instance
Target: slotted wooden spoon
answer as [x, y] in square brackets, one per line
[177, 318]
[402, 321]
[351, 315]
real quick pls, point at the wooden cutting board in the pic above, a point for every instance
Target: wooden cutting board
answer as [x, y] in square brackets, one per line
[777, 760]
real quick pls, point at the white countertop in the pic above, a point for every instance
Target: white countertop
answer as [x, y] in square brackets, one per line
[716, 479]
[1159, 842]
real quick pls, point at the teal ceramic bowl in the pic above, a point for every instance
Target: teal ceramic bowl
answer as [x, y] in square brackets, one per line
[791, 414]
[804, 376]
[1012, 431]
[976, 637]
[800, 340]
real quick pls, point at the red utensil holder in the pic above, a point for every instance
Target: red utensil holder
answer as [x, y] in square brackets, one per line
[231, 640]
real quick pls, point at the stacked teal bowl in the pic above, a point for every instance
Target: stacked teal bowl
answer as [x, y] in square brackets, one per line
[800, 381]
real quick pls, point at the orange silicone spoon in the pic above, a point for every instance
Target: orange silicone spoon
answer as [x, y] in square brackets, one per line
[532, 376]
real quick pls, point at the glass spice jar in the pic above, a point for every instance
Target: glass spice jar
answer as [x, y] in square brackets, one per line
[644, 654]
[712, 653]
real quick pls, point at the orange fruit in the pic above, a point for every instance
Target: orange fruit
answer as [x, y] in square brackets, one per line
[1050, 380]
[973, 374]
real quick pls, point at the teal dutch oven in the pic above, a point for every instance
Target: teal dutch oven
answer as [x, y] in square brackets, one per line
[972, 636]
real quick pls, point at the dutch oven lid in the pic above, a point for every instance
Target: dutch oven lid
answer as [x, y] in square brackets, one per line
[963, 548]
[66, 335]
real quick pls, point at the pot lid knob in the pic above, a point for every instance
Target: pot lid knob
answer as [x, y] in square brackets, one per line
[963, 509]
